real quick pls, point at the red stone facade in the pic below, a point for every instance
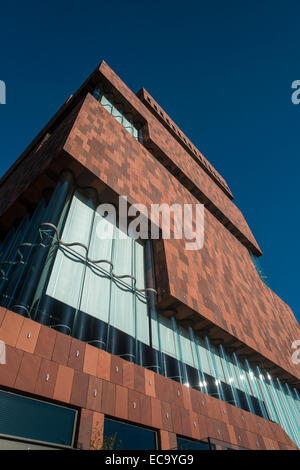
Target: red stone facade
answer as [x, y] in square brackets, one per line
[216, 288]
[76, 370]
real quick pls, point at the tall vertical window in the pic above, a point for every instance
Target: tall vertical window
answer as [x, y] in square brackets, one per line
[96, 287]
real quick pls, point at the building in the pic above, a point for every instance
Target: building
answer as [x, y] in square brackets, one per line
[126, 343]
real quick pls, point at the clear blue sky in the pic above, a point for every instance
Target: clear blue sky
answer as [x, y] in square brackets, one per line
[222, 70]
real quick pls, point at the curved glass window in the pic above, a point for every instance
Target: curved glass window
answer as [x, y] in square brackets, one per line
[115, 109]
[61, 271]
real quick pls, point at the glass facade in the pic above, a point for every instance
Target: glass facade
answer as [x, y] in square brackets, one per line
[116, 110]
[68, 267]
[259, 269]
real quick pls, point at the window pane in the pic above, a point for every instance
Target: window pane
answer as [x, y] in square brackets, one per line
[96, 290]
[67, 274]
[142, 319]
[37, 420]
[122, 308]
[122, 436]
[106, 103]
[186, 348]
[168, 345]
[185, 444]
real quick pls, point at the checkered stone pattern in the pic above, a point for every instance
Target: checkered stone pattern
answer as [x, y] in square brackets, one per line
[50, 365]
[218, 282]
[159, 137]
[29, 167]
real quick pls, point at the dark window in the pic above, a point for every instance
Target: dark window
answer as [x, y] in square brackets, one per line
[259, 269]
[186, 444]
[37, 420]
[122, 436]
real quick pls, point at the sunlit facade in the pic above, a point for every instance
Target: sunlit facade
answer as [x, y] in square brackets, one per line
[68, 268]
